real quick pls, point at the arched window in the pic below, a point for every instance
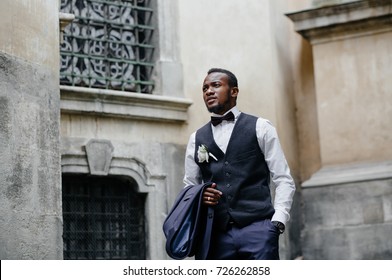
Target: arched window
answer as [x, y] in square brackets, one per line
[103, 218]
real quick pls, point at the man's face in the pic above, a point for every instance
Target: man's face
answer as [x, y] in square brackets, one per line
[217, 94]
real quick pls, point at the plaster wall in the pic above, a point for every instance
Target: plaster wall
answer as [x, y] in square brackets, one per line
[29, 30]
[229, 35]
[30, 186]
[353, 99]
[303, 86]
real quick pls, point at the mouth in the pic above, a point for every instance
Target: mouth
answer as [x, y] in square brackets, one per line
[211, 101]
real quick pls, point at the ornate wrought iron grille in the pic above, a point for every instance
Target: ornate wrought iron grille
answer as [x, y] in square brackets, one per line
[108, 45]
[103, 219]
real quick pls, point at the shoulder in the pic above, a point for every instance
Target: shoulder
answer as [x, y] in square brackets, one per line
[192, 137]
[265, 129]
[264, 122]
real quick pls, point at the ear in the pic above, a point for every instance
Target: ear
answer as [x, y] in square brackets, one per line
[234, 92]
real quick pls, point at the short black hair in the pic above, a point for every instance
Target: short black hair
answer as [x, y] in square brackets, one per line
[232, 78]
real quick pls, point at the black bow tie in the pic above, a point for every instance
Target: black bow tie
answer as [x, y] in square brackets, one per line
[217, 120]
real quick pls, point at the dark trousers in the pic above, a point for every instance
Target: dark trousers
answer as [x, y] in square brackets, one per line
[257, 241]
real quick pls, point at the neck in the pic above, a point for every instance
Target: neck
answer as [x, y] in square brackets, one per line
[224, 113]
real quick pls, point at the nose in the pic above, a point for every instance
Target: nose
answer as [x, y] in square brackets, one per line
[210, 91]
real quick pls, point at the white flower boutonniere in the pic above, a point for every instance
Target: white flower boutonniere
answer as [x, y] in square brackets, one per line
[203, 154]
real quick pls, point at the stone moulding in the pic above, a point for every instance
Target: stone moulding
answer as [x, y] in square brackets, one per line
[350, 173]
[336, 22]
[132, 167]
[120, 104]
[64, 20]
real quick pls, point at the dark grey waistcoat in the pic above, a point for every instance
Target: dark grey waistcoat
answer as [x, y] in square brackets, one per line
[241, 174]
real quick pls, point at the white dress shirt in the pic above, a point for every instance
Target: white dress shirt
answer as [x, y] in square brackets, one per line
[273, 154]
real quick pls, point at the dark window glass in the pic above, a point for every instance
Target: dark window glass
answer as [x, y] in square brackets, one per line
[103, 218]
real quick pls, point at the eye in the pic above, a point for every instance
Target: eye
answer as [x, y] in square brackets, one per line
[216, 85]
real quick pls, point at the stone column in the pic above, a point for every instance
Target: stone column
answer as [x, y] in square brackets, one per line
[30, 177]
[347, 209]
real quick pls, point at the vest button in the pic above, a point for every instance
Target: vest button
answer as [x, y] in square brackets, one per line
[228, 185]
[226, 162]
[229, 197]
[227, 174]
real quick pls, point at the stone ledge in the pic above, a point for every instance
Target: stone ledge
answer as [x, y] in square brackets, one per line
[110, 103]
[341, 174]
[336, 22]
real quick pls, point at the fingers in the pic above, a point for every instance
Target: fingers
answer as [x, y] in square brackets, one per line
[211, 195]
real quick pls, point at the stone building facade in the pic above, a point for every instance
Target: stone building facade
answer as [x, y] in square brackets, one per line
[347, 202]
[92, 155]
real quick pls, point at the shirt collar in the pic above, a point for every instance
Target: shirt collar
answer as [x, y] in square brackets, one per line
[235, 111]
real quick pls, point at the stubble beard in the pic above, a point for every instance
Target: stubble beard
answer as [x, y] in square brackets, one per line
[220, 109]
[216, 109]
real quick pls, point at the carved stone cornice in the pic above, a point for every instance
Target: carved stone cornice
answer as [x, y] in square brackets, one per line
[336, 22]
[117, 104]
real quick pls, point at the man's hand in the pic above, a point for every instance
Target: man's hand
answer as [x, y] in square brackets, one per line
[211, 195]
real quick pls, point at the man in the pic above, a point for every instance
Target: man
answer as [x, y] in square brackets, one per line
[239, 154]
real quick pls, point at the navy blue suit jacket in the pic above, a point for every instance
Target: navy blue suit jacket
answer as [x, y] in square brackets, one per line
[188, 225]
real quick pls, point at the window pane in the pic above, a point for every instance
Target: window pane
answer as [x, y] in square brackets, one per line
[103, 219]
[108, 45]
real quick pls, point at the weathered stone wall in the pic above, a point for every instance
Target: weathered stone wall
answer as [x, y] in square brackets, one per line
[30, 186]
[348, 221]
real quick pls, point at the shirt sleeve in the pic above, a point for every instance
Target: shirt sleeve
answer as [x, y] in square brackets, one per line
[192, 171]
[279, 169]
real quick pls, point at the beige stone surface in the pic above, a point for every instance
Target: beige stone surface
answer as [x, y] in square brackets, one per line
[353, 99]
[30, 30]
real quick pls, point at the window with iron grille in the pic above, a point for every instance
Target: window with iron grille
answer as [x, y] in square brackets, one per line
[103, 218]
[108, 45]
